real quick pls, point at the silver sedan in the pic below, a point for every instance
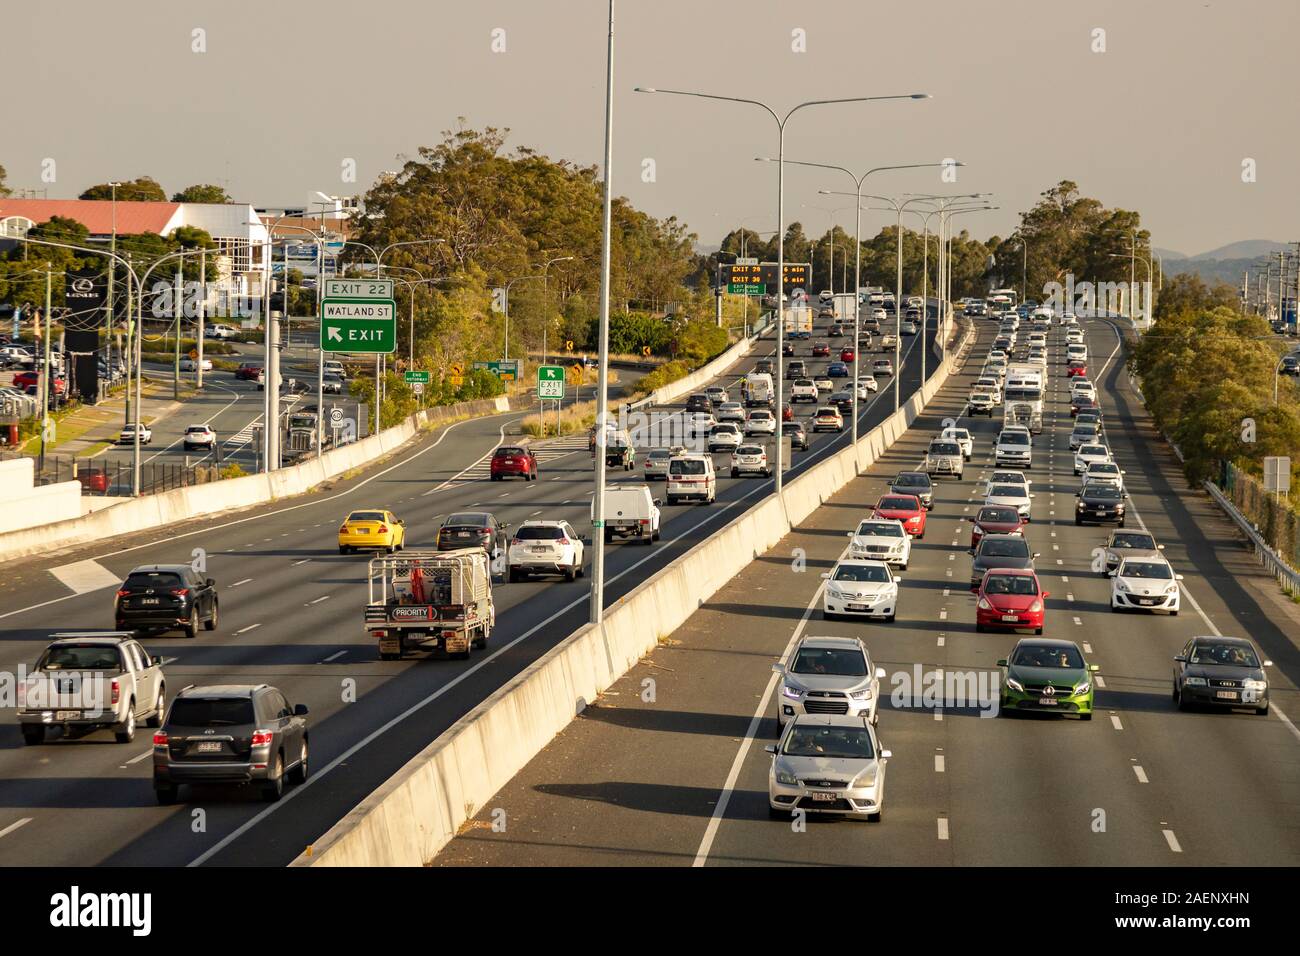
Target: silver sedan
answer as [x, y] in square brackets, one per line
[828, 763]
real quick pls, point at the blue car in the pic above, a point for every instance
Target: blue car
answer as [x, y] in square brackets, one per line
[837, 370]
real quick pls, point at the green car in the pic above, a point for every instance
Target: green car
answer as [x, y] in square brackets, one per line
[1047, 675]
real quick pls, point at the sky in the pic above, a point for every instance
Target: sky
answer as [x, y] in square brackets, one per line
[279, 100]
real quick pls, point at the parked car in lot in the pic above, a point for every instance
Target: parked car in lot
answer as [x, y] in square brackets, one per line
[829, 675]
[1221, 672]
[1046, 675]
[544, 547]
[1147, 584]
[860, 587]
[234, 734]
[828, 763]
[1010, 598]
[199, 436]
[513, 461]
[166, 597]
[87, 680]
[750, 460]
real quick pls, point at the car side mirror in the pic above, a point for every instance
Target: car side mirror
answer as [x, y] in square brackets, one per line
[1123, 472]
[1002, 662]
[300, 710]
[1046, 595]
[771, 748]
[970, 551]
[1178, 577]
[503, 525]
[211, 583]
[885, 754]
[1126, 496]
[880, 673]
[1181, 658]
[1078, 494]
[826, 575]
[657, 501]
[1268, 663]
[1037, 554]
[778, 668]
[1160, 547]
[1033, 496]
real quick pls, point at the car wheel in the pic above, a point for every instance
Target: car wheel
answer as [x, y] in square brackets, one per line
[33, 736]
[166, 796]
[512, 574]
[159, 706]
[211, 623]
[127, 732]
[1078, 521]
[979, 628]
[1173, 613]
[1262, 711]
[273, 789]
[570, 573]
[343, 549]
[192, 628]
[299, 773]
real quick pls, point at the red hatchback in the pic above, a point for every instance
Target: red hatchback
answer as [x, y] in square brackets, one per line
[1077, 368]
[905, 508]
[821, 350]
[787, 414]
[1010, 598]
[847, 355]
[994, 519]
[514, 460]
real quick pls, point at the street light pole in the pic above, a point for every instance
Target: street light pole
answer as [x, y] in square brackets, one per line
[780, 226]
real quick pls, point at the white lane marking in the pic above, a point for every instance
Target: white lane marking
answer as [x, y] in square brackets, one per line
[938, 763]
[1141, 774]
[249, 628]
[139, 757]
[1069, 596]
[1087, 648]
[938, 713]
[946, 591]
[1077, 621]
[312, 502]
[454, 682]
[943, 828]
[325, 597]
[534, 514]
[1172, 841]
[238, 583]
[1115, 722]
[334, 656]
[82, 577]
[303, 561]
[1100, 682]
[943, 614]
[940, 640]
[14, 826]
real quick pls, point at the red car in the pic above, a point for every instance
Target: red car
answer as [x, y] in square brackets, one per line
[514, 460]
[1077, 368]
[821, 350]
[847, 354]
[247, 372]
[995, 519]
[787, 414]
[26, 380]
[1010, 598]
[905, 508]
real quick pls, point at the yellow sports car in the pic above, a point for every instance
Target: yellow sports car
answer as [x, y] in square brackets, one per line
[378, 530]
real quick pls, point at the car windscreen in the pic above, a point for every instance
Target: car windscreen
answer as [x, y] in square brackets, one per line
[881, 529]
[1013, 438]
[912, 479]
[844, 743]
[509, 450]
[1015, 547]
[87, 657]
[1007, 491]
[830, 662]
[1101, 491]
[1231, 655]
[861, 572]
[1010, 584]
[539, 533]
[686, 466]
[1087, 450]
[998, 516]
[153, 579]
[371, 516]
[944, 448]
[897, 504]
[660, 453]
[1038, 655]
[211, 712]
[1103, 468]
[1134, 541]
[1147, 569]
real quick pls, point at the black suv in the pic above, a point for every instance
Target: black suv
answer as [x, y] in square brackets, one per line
[166, 597]
[1101, 503]
[699, 403]
[231, 734]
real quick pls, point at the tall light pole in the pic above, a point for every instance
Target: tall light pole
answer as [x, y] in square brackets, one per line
[1120, 255]
[781, 122]
[597, 606]
[1024, 273]
[857, 258]
[944, 217]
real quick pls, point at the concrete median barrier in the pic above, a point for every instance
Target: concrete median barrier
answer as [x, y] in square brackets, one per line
[419, 809]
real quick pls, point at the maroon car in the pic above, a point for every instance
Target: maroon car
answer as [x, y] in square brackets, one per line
[247, 372]
[994, 519]
[821, 349]
[514, 461]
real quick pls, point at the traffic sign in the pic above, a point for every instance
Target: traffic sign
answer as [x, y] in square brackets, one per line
[358, 288]
[751, 288]
[1277, 474]
[417, 378]
[194, 353]
[568, 345]
[358, 325]
[417, 388]
[797, 275]
[507, 369]
[550, 382]
[746, 261]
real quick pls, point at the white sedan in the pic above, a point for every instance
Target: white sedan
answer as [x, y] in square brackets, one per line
[811, 744]
[127, 435]
[824, 384]
[189, 365]
[866, 385]
[860, 587]
[962, 437]
[760, 422]
[881, 539]
[1087, 455]
[1147, 584]
[699, 423]
[1010, 496]
[731, 412]
[1104, 472]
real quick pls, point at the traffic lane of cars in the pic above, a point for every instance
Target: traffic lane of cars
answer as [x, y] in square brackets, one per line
[254, 656]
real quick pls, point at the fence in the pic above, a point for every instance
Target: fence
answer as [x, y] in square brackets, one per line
[112, 478]
[1272, 526]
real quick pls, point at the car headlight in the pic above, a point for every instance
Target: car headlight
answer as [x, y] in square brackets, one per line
[1194, 681]
[861, 694]
[1082, 688]
[1015, 684]
[1121, 586]
[1036, 607]
[789, 690]
[984, 605]
[786, 779]
[1079, 506]
[1172, 589]
[1254, 684]
[866, 779]
[978, 530]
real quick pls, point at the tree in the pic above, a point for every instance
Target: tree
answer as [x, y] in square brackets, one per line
[203, 193]
[141, 189]
[4, 190]
[1188, 292]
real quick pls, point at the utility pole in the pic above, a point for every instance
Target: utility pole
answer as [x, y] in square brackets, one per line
[203, 303]
[45, 368]
[177, 310]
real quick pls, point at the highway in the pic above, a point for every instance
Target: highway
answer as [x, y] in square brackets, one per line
[291, 615]
[668, 767]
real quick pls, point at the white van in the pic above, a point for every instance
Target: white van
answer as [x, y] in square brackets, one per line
[759, 389]
[630, 512]
[1075, 351]
[691, 476]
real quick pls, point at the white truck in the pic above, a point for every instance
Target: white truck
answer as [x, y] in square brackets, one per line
[437, 600]
[631, 511]
[1022, 394]
[759, 390]
[846, 307]
[798, 322]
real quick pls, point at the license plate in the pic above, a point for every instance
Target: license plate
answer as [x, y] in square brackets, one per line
[150, 600]
[539, 550]
[1226, 694]
[74, 714]
[1147, 602]
[361, 531]
[1010, 617]
[209, 747]
[822, 797]
[1047, 701]
[857, 607]
[462, 534]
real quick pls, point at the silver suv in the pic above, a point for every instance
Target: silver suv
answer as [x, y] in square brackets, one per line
[944, 457]
[829, 675]
[88, 680]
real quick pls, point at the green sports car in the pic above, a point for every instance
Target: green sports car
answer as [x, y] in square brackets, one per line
[1047, 675]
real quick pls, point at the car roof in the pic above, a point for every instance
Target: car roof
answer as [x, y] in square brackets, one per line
[233, 691]
[1239, 641]
[1018, 572]
[851, 643]
[541, 523]
[832, 720]
[91, 637]
[466, 516]
[1047, 642]
[173, 568]
[1156, 558]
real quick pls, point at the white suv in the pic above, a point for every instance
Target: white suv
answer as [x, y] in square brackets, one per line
[829, 672]
[750, 460]
[545, 547]
[1014, 447]
[724, 436]
[1148, 584]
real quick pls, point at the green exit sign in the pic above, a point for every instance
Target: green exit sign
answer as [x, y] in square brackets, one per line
[550, 381]
[741, 288]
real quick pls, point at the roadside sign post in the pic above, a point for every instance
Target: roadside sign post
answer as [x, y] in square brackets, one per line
[1277, 475]
[550, 387]
[358, 316]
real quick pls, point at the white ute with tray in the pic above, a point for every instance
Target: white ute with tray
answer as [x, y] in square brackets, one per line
[434, 600]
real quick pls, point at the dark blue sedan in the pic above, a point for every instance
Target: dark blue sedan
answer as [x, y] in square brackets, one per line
[837, 370]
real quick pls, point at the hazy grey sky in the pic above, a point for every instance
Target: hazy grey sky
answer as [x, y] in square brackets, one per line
[287, 90]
